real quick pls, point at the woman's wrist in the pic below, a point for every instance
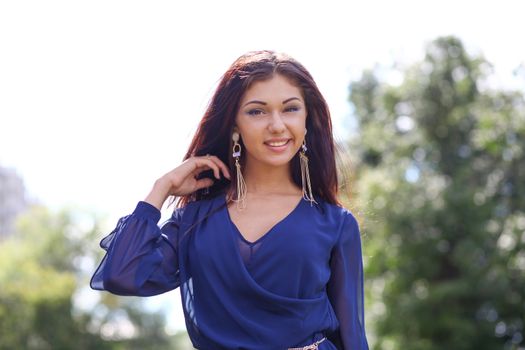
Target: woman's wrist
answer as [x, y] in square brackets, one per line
[158, 194]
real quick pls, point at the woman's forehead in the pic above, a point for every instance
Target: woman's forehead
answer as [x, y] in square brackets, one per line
[275, 88]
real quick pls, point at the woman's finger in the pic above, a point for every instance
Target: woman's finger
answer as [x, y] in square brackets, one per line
[203, 183]
[220, 163]
[210, 163]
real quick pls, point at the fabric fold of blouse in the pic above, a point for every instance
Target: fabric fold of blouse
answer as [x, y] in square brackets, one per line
[303, 281]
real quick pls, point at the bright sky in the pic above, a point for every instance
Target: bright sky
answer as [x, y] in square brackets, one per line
[100, 98]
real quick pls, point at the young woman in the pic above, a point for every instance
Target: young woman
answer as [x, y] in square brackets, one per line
[264, 254]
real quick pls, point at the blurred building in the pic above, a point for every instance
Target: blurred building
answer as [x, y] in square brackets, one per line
[12, 200]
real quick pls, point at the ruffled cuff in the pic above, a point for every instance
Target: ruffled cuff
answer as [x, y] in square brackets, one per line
[147, 211]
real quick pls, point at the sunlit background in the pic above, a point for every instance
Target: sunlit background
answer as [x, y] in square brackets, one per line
[98, 99]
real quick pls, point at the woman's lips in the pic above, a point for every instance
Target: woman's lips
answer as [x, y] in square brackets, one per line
[279, 148]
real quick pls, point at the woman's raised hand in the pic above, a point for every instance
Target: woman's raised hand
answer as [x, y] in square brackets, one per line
[183, 179]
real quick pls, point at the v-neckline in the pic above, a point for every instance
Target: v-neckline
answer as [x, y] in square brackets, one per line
[258, 240]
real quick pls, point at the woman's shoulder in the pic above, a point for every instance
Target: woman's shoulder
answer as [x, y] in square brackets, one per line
[335, 211]
[345, 224]
[199, 207]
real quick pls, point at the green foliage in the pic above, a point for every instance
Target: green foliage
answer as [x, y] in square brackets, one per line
[38, 280]
[41, 269]
[440, 174]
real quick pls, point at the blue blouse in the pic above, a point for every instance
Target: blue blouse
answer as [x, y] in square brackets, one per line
[298, 283]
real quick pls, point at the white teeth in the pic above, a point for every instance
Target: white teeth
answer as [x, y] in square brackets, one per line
[277, 144]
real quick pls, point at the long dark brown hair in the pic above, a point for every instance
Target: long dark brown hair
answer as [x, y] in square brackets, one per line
[214, 132]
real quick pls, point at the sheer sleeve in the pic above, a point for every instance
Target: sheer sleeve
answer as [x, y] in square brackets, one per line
[141, 258]
[345, 288]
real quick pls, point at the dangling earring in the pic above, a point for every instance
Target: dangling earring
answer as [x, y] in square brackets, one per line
[241, 185]
[305, 174]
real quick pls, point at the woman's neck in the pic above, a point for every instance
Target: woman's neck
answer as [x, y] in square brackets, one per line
[269, 180]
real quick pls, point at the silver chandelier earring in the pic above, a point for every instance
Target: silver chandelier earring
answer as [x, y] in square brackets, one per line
[305, 173]
[241, 184]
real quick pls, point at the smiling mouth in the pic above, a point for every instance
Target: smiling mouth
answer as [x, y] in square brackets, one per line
[277, 144]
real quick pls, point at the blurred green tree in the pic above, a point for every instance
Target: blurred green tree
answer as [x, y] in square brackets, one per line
[44, 267]
[38, 280]
[441, 178]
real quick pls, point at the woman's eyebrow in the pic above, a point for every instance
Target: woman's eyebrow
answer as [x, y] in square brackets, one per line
[255, 101]
[264, 103]
[291, 99]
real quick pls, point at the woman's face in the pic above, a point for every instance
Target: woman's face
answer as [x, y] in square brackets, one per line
[271, 121]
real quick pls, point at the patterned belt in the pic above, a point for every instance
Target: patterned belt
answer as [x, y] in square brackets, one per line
[313, 346]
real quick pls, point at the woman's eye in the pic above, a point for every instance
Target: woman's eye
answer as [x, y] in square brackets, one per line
[292, 109]
[255, 112]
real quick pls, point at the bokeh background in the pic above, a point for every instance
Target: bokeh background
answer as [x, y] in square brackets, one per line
[98, 99]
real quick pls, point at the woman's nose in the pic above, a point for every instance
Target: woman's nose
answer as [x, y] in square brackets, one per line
[276, 123]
